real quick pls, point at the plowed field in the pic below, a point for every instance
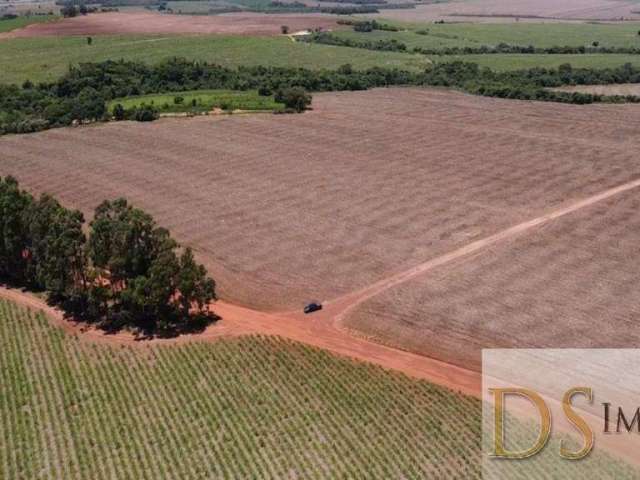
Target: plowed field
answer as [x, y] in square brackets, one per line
[283, 209]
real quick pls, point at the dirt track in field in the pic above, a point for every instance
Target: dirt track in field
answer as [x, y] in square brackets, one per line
[573, 283]
[479, 245]
[149, 23]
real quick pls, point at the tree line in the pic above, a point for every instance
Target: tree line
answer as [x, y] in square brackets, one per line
[534, 83]
[383, 44]
[82, 93]
[505, 48]
[368, 25]
[126, 273]
[393, 45]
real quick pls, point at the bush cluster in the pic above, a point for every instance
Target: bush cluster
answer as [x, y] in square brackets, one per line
[141, 113]
[368, 25]
[388, 45]
[295, 99]
[128, 272]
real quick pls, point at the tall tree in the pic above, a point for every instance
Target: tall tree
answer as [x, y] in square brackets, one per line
[123, 242]
[195, 290]
[147, 298]
[13, 230]
[56, 246]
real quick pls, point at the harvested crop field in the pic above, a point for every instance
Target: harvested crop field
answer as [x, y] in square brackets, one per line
[154, 23]
[622, 89]
[521, 10]
[573, 283]
[283, 209]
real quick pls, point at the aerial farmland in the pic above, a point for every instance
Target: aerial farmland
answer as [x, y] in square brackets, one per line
[273, 239]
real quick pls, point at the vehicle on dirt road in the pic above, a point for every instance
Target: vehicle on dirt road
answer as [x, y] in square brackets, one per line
[312, 307]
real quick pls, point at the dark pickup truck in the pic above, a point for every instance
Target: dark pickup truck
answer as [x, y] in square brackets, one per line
[312, 307]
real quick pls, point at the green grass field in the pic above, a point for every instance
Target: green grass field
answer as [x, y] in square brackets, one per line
[23, 21]
[540, 35]
[537, 34]
[213, 6]
[46, 59]
[408, 37]
[195, 6]
[205, 100]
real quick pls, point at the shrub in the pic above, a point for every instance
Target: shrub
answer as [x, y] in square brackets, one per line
[295, 98]
[145, 113]
[69, 11]
[31, 125]
[119, 112]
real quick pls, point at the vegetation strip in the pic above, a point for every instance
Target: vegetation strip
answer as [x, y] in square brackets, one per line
[394, 45]
[82, 94]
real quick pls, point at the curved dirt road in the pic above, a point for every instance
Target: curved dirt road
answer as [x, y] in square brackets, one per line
[324, 329]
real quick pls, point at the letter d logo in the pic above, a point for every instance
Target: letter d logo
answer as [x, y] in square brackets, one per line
[545, 428]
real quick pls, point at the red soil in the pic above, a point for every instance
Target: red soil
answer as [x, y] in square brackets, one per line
[153, 23]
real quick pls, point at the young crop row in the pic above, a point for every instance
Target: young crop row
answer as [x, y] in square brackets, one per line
[254, 407]
[248, 408]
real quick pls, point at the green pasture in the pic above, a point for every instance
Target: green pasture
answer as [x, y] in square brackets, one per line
[201, 101]
[46, 59]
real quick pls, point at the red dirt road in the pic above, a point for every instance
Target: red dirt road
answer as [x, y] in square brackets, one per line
[153, 23]
[323, 329]
[312, 331]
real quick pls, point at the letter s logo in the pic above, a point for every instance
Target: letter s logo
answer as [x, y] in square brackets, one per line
[579, 423]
